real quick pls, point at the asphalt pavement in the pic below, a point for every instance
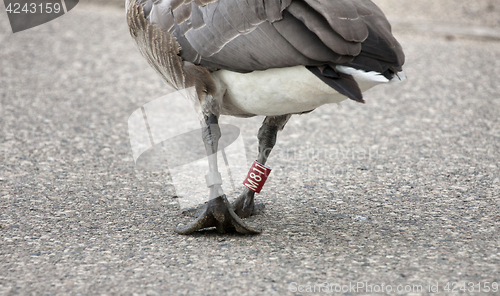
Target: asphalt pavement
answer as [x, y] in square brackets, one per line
[400, 195]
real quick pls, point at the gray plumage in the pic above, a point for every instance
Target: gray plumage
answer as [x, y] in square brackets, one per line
[245, 36]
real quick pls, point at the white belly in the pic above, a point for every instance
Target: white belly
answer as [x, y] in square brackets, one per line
[278, 91]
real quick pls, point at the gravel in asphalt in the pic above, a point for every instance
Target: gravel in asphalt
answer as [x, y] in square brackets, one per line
[403, 190]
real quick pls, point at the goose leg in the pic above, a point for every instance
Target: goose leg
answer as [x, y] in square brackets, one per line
[218, 212]
[244, 206]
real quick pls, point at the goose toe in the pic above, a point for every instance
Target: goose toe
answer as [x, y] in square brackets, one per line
[219, 214]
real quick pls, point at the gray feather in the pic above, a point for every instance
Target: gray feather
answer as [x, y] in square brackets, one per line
[343, 17]
[319, 26]
[300, 37]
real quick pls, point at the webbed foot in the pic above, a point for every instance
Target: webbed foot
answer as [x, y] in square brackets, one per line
[219, 214]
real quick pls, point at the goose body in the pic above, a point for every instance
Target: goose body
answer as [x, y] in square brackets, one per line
[263, 57]
[346, 44]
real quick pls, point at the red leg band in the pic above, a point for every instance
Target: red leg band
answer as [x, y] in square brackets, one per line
[257, 176]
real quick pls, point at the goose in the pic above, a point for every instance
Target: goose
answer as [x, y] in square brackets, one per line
[273, 58]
